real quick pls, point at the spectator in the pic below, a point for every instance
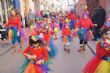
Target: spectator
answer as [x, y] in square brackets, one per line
[98, 18]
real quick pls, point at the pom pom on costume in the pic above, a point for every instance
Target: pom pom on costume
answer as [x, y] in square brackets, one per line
[67, 20]
[34, 38]
[55, 30]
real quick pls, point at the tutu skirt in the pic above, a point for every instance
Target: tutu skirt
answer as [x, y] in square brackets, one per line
[32, 68]
[89, 35]
[104, 67]
[65, 40]
[53, 49]
[23, 36]
[97, 65]
[85, 34]
[28, 67]
[10, 34]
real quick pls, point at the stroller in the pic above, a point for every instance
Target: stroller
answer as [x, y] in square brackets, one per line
[3, 33]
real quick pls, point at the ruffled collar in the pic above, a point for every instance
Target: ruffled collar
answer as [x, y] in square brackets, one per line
[105, 43]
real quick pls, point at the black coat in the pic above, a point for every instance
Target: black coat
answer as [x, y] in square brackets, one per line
[99, 17]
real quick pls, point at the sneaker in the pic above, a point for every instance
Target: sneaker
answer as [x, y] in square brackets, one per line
[83, 49]
[68, 50]
[64, 49]
[80, 50]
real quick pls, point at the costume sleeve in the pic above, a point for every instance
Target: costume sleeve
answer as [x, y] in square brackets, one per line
[45, 54]
[26, 50]
[19, 23]
[63, 32]
[77, 24]
[8, 23]
[100, 52]
[69, 32]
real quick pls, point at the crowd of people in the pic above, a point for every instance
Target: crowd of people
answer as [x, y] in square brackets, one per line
[43, 28]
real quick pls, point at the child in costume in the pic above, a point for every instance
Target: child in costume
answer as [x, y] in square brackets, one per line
[101, 62]
[47, 38]
[66, 33]
[83, 27]
[36, 56]
[49, 44]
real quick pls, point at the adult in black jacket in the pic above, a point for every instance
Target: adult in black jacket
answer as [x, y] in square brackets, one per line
[98, 18]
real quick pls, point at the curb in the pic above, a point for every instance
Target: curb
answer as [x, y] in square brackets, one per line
[91, 49]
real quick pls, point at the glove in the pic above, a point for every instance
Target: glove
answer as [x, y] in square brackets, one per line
[41, 36]
[18, 33]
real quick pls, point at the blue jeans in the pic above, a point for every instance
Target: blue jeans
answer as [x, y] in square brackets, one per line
[15, 38]
[96, 33]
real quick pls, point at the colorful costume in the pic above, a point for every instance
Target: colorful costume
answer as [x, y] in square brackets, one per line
[49, 42]
[15, 25]
[101, 62]
[84, 32]
[66, 37]
[41, 54]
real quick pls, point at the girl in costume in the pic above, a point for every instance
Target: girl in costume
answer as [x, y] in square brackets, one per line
[14, 22]
[83, 27]
[36, 56]
[47, 38]
[49, 44]
[101, 62]
[66, 33]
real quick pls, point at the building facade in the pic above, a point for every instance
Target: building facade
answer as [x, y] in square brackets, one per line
[106, 5]
[6, 6]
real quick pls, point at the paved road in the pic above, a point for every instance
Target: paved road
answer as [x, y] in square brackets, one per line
[63, 62]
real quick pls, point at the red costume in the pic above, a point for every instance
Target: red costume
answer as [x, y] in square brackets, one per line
[14, 22]
[41, 53]
[84, 23]
[66, 32]
[72, 16]
[92, 65]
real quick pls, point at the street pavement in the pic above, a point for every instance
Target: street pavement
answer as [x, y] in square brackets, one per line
[72, 62]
